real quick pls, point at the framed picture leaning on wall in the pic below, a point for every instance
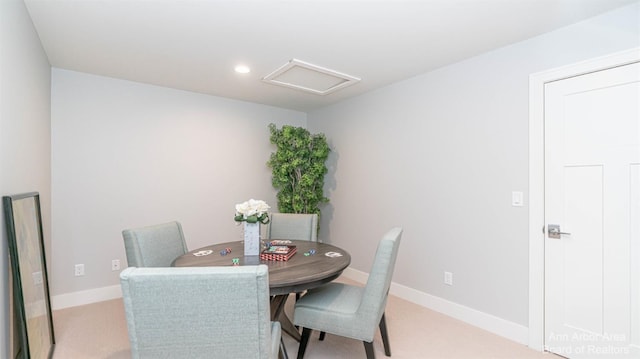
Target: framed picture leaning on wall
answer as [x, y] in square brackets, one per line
[29, 276]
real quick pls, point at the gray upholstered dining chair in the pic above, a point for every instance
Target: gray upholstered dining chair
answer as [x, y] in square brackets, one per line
[352, 311]
[293, 226]
[199, 312]
[154, 246]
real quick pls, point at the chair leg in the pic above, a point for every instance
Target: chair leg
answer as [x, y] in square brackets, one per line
[283, 350]
[385, 336]
[306, 333]
[368, 348]
[322, 334]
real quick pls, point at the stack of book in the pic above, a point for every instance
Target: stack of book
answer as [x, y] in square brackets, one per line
[278, 253]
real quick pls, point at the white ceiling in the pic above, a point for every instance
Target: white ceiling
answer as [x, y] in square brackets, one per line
[194, 45]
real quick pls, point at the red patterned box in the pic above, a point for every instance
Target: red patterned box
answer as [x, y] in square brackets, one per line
[278, 253]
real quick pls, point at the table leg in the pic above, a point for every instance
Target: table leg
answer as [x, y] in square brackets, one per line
[278, 314]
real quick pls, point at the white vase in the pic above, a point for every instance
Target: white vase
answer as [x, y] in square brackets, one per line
[251, 239]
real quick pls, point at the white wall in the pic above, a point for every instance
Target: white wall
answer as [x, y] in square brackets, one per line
[24, 130]
[440, 154]
[126, 154]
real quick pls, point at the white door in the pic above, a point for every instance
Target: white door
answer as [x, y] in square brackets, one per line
[592, 194]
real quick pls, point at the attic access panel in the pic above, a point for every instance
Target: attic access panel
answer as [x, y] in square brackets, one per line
[310, 78]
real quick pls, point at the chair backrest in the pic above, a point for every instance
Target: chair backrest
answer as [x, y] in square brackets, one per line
[198, 312]
[374, 298]
[154, 246]
[293, 226]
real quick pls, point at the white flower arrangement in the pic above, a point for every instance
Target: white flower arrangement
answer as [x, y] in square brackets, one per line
[252, 211]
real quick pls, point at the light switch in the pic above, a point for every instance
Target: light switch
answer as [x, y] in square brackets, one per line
[517, 199]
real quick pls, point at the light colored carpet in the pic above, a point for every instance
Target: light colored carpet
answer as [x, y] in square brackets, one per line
[99, 331]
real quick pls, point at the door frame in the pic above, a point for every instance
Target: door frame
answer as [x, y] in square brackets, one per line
[536, 177]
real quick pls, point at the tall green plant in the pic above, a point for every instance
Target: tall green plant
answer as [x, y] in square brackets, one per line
[298, 168]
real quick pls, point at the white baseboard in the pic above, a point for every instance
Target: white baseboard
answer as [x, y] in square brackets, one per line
[504, 328]
[488, 322]
[83, 297]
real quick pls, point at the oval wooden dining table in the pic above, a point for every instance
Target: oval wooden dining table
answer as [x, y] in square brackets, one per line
[321, 264]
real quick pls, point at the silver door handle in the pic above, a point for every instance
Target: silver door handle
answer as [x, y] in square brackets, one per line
[554, 231]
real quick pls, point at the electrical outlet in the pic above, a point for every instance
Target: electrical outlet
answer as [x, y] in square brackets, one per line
[79, 270]
[448, 278]
[115, 264]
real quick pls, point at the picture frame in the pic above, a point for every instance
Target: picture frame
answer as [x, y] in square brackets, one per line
[32, 304]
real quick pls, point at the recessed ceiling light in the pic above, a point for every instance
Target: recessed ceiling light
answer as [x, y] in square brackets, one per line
[242, 69]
